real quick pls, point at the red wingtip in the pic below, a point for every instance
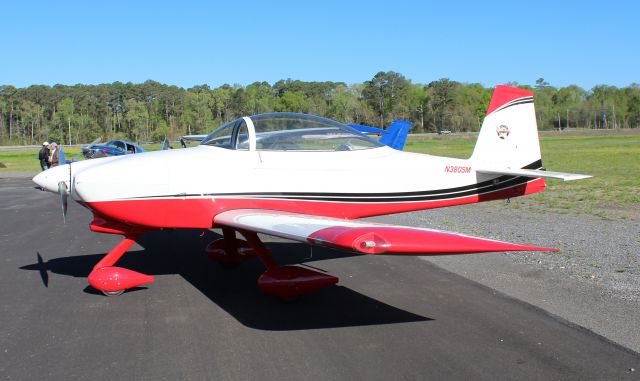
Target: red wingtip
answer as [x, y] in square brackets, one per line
[410, 241]
[519, 247]
[503, 94]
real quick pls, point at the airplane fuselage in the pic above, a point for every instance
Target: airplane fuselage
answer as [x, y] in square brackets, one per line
[187, 188]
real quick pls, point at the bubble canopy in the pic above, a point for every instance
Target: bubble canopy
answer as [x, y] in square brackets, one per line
[283, 131]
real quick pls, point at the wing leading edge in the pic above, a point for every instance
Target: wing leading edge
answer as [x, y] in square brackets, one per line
[361, 236]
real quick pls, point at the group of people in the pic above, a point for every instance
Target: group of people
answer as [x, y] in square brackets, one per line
[48, 155]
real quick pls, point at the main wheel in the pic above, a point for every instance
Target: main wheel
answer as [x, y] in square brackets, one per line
[113, 293]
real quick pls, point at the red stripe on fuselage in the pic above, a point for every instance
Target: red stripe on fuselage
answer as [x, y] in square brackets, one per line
[199, 212]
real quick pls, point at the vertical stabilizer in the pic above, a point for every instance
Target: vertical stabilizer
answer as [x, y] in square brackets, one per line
[396, 134]
[509, 134]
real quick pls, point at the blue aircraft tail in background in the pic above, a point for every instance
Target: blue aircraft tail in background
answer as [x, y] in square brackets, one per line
[394, 136]
[61, 159]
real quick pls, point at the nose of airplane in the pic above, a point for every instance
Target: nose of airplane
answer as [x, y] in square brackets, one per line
[49, 179]
[119, 178]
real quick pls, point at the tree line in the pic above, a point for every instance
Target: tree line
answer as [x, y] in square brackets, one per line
[151, 110]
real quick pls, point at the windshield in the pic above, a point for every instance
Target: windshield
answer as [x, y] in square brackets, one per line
[116, 144]
[301, 132]
[286, 131]
[221, 137]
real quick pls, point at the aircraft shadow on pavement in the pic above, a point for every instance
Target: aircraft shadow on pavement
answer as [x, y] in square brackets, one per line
[235, 289]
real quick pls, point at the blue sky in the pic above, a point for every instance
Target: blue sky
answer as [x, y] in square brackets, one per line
[186, 43]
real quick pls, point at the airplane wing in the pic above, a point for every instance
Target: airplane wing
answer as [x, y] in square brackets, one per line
[194, 138]
[367, 129]
[361, 236]
[532, 173]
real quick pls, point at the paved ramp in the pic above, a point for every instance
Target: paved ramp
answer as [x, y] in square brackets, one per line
[389, 318]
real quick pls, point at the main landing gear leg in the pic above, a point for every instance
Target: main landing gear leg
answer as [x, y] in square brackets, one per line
[112, 280]
[229, 251]
[285, 282]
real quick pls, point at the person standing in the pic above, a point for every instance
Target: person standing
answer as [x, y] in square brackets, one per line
[43, 156]
[53, 155]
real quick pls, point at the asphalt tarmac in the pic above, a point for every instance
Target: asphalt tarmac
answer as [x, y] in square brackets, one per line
[397, 318]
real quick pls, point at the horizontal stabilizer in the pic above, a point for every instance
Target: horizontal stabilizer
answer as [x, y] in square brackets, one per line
[532, 173]
[361, 236]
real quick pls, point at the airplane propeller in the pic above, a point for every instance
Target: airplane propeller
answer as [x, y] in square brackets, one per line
[62, 190]
[85, 149]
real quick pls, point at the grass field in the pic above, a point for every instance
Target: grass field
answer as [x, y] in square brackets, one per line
[25, 160]
[613, 160]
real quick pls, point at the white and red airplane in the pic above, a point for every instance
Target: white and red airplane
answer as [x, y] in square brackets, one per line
[307, 179]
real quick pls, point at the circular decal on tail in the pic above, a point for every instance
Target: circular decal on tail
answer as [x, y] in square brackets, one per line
[503, 131]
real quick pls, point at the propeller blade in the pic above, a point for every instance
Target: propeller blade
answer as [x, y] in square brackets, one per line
[86, 147]
[85, 150]
[93, 142]
[62, 190]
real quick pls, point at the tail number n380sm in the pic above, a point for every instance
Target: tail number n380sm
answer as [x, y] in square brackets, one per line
[457, 169]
